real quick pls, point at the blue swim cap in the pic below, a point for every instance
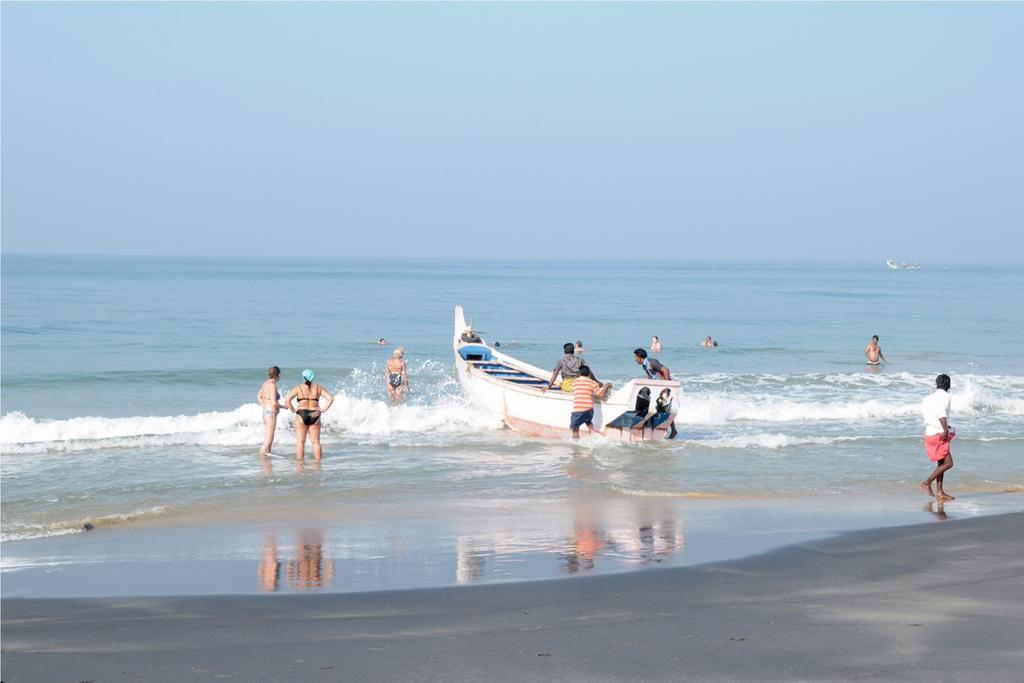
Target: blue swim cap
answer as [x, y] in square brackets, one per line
[308, 375]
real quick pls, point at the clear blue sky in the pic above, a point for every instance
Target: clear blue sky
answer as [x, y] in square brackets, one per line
[822, 132]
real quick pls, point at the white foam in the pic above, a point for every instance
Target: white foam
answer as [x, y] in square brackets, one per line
[772, 441]
[721, 409]
[17, 532]
[710, 400]
[855, 380]
[813, 398]
[243, 426]
[974, 397]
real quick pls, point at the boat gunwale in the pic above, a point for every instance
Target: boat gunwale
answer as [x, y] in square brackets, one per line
[528, 390]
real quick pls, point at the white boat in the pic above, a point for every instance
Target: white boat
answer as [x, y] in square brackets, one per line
[512, 389]
[901, 266]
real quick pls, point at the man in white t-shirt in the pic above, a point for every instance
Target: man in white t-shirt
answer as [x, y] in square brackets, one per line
[937, 435]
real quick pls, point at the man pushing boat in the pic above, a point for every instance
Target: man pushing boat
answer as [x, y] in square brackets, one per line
[584, 390]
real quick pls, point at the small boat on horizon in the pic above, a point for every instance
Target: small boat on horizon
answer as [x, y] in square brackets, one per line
[901, 266]
[512, 389]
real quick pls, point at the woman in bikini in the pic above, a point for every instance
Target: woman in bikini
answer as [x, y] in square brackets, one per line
[270, 398]
[397, 375]
[307, 414]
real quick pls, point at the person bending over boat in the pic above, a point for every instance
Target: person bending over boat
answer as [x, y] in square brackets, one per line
[652, 366]
[662, 407]
[307, 415]
[397, 375]
[584, 389]
[568, 366]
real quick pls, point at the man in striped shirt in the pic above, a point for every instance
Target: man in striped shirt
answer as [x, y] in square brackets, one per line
[584, 389]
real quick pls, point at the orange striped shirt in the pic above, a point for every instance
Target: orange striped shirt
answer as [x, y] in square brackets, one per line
[583, 389]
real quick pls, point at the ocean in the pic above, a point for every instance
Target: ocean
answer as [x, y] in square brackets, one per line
[129, 406]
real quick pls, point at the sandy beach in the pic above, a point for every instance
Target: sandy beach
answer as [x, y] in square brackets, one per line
[927, 602]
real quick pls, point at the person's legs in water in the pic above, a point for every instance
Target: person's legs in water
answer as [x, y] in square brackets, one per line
[940, 494]
[314, 437]
[300, 438]
[936, 476]
[270, 422]
[672, 433]
[578, 419]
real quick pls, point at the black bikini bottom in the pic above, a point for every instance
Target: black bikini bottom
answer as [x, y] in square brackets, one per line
[309, 417]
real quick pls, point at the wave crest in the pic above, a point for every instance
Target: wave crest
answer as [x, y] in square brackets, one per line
[242, 426]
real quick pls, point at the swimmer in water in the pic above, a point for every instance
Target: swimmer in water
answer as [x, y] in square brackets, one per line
[307, 415]
[397, 375]
[873, 352]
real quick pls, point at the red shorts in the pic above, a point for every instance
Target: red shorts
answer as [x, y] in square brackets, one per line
[936, 447]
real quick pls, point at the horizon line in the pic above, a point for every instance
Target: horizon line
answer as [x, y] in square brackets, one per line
[491, 259]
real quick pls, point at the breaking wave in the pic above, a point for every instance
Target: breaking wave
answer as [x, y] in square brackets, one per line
[714, 400]
[243, 426]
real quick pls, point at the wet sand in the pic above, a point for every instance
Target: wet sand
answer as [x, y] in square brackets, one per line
[940, 601]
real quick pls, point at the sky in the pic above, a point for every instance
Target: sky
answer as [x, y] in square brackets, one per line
[785, 132]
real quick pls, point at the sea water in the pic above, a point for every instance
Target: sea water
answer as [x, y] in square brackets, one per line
[129, 396]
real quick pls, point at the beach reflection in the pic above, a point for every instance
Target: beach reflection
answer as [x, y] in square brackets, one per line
[269, 569]
[304, 465]
[602, 538]
[470, 561]
[937, 510]
[310, 570]
[588, 539]
[267, 465]
[658, 541]
[655, 536]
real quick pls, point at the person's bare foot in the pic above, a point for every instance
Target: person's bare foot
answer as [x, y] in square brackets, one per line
[927, 488]
[944, 497]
